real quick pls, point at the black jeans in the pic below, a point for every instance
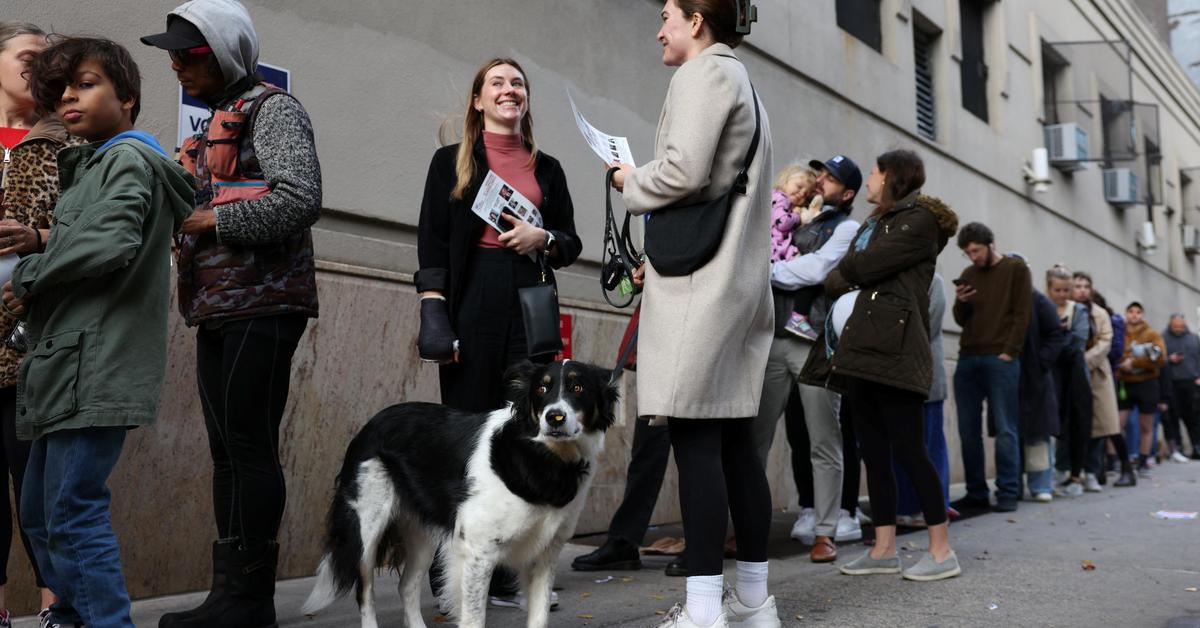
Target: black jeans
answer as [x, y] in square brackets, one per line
[1183, 409]
[891, 422]
[1075, 415]
[802, 473]
[244, 368]
[644, 478]
[16, 456]
[720, 476]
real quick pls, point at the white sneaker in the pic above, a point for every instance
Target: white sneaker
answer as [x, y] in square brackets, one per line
[678, 617]
[1091, 484]
[805, 528]
[848, 528]
[1044, 498]
[1180, 458]
[738, 614]
[1061, 477]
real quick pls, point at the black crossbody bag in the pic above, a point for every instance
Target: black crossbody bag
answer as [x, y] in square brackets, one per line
[539, 311]
[682, 239]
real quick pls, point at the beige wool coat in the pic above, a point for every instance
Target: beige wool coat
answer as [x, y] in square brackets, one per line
[704, 337]
[1106, 420]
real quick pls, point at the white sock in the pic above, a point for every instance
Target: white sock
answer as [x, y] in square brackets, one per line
[704, 598]
[752, 583]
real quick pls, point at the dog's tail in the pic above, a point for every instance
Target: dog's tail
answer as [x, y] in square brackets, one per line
[326, 590]
[339, 569]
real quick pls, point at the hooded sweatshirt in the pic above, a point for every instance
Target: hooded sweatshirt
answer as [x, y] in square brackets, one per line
[97, 298]
[230, 33]
[1186, 344]
[1144, 346]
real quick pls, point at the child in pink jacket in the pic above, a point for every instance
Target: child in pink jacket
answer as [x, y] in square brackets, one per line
[793, 204]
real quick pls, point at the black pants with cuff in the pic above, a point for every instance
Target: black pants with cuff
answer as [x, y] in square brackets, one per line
[891, 422]
[720, 476]
[243, 368]
[643, 482]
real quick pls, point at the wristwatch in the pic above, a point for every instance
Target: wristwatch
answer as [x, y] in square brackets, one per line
[549, 242]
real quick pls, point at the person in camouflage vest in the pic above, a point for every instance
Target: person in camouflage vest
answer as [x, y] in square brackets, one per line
[247, 281]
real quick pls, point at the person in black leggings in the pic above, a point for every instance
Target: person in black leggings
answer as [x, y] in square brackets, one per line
[876, 351]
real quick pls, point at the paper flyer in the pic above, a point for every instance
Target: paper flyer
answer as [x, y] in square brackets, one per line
[497, 197]
[609, 148]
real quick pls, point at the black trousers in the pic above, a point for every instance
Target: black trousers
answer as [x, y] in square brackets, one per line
[644, 478]
[891, 423]
[1183, 410]
[719, 476]
[802, 473]
[1075, 415]
[490, 328]
[16, 456]
[243, 369]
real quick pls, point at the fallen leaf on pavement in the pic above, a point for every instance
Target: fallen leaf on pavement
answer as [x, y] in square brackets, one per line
[585, 616]
[1089, 565]
[1012, 520]
[626, 578]
[585, 594]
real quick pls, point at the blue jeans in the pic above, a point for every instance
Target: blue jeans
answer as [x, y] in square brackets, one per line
[935, 445]
[1133, 433]
[64, 510]
[1039, 465]
[980, 377]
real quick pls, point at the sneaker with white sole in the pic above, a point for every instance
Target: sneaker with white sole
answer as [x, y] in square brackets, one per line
[848, 528]
[678, 617]
[1044, 498]
[805, 528]
[1091, 484]
[1180, 458]
[1069, 489]
[738, 614]
[911, 521]
[865, 565]
[928, 569]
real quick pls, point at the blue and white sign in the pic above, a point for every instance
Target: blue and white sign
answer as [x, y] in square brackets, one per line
[193, 113]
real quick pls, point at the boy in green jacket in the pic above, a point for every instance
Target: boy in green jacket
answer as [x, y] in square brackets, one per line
[95, 301]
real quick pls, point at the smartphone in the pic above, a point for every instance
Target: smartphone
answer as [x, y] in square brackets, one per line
[960, 282]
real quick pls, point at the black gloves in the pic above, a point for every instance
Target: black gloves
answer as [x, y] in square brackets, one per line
[436, 342]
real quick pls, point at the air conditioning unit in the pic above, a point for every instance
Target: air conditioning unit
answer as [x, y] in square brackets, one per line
[1121, 186]
[1191, 240]
[1068, 146]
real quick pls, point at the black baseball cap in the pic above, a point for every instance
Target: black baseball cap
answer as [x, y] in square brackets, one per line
[843, 169]
[181, 35]
[1133, 304]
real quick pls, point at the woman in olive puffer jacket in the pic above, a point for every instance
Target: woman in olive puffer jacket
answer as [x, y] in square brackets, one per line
[880, 357]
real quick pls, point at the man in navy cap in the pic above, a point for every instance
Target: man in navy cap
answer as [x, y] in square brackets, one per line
[821, 244]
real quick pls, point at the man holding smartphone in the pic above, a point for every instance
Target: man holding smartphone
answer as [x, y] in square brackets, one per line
[1183, 353]
[993, 304]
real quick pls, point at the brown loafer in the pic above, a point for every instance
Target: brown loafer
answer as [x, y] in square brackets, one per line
[824, 550]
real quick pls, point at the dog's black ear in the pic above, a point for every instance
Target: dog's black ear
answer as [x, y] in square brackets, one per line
[518, 380]
[606, 401]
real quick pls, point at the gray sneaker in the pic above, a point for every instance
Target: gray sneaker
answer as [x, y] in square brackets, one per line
[865, 565]
[1091, 484]
[928, 569]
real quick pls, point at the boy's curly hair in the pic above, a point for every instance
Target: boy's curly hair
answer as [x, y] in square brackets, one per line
[54, 68]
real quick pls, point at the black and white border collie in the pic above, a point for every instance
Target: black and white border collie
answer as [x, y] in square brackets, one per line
[504, 487]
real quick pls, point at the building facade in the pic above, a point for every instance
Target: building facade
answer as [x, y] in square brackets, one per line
[972, 85]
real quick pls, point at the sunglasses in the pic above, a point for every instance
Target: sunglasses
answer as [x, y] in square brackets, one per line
[189, 56]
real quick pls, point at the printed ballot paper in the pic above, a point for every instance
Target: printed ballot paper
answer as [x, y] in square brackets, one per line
[496, 197]
[610, 148]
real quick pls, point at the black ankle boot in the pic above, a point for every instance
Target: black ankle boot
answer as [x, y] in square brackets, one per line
[248, 597]
[1128, 477]
[220, 560]
[616, 554]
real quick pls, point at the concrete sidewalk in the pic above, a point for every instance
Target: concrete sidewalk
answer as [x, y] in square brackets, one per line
[1019, 569]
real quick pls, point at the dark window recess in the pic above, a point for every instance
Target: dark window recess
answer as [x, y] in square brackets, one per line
[1116, 118]
[974, 70]
[923, 43]
[861, 18]
[1154, 191]
[1054, 69]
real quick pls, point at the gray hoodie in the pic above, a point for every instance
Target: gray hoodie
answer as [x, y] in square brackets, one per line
[230, 33]
[1187, 344]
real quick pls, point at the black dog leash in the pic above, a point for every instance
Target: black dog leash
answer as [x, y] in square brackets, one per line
[620, 368]
[618, 258]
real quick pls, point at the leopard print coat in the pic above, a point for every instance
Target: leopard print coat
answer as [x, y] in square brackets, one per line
[28, 192]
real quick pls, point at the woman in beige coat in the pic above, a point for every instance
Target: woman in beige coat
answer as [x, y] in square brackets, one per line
[704, 339]
[1106, 420]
